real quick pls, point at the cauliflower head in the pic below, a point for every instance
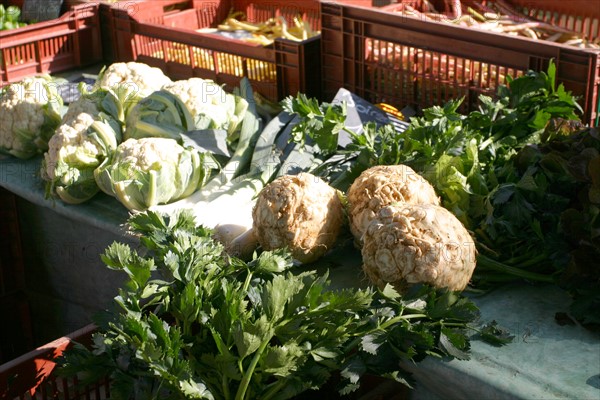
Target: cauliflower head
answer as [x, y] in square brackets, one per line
[209, 104]
[380, 186]
[406, 244]
[29, 114]
[145, 172]
[115, 102]
[75, 150]
[299, 212]
[83, 105]
[139, 78]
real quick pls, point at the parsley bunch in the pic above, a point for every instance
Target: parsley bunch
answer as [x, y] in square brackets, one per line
[191, 322]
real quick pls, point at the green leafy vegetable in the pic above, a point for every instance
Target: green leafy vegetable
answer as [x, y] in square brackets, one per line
[10, 18]
[191, 322]
[515, 172]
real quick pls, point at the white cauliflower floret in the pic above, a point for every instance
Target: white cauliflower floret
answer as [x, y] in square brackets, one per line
[148, 152]
[209, 102]
[29, 113]
[142, 78]
[406, 244]
[83, 105]
[69, 144]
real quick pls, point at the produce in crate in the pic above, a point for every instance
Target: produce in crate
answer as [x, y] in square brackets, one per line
[29, 114]
[299, 212]
[498, 17]
[265, 32]
[142, 173]
[10, 18]
[383, 185]
[408, 244]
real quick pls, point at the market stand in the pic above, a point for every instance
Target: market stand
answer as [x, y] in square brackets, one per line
[66, 287]
[66, 283]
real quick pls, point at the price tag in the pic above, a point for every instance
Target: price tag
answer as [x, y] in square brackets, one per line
[40, 10]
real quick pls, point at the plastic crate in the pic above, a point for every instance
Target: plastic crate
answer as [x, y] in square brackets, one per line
[30, 376]
[383, 56]
[163, 34]
[70, 41]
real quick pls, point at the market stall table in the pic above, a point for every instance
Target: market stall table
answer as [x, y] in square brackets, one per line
[68, 283]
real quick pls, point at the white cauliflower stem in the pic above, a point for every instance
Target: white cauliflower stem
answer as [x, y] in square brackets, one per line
[380, 186]
[416, 243]
[300, 212]
[29, 113]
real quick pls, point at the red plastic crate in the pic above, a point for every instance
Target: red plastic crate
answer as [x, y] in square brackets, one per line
[30, 376]
[163, 34]
[70, 41]
[383, 56]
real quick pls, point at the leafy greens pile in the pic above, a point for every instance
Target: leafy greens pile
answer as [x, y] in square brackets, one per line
[521, 173]
[192, 322]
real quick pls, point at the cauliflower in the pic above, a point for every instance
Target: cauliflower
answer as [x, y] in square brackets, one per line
[183, 106]
[114, 101]
[83, 105]
[407, 244]
[383, 185]
[300, 212]
[211, 107]
[140, 78]
[149, 171]
[89, 132]
[29, 114]
[77, 147]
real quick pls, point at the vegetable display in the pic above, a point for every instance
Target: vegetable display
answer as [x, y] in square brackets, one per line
[499, 17]
[234, 209]
[299, 212]
[507, 171]
[406, 244]
[380, 186]
[144, 172]
[90, 131]
[193, 323]
[29, 114]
